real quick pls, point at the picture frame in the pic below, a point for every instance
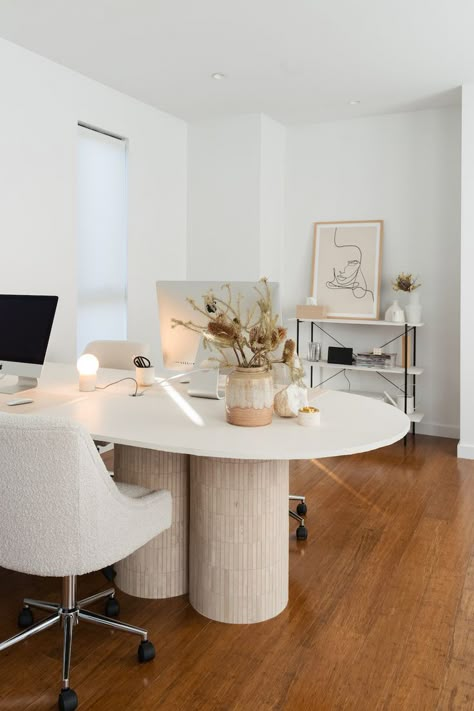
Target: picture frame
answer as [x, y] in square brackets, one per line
[347, 268]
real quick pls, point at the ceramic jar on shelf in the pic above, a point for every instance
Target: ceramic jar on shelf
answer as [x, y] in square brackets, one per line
[395, 313]
[413, 308]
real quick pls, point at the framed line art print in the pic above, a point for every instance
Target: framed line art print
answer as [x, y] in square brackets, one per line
[347, 265]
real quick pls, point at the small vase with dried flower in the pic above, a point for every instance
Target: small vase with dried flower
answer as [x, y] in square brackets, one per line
[409, 284]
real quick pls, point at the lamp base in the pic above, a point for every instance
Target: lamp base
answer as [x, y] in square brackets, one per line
[87, 383]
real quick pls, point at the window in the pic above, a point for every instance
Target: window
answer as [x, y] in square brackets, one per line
[102, 237]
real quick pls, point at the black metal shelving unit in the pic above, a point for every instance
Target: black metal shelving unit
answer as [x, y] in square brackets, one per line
[409, 373]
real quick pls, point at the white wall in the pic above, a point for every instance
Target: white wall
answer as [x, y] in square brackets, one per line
[272, 198]
[235, 198]
[224, 198]
[466, 444]
[41, 105]
[404, 169]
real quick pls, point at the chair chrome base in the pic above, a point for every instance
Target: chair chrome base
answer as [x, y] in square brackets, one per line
[68, 614]
[301, 531]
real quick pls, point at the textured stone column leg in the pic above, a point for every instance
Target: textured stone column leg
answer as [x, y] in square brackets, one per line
[238, 539]
[160, 568]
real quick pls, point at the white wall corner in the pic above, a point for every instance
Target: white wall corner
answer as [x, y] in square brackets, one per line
[465, 451]
[467, 256]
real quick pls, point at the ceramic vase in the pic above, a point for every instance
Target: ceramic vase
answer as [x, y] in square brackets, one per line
[395, 313]
[413, 308]
[249, 397]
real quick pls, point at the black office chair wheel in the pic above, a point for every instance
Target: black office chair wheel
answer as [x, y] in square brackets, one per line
[67, 700]
[302, 509]
[112, 607]
[25, 618]
[146, 652]
[301, 533]
[109, 572]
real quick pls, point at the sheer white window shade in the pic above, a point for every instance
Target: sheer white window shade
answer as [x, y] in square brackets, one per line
[102, 237]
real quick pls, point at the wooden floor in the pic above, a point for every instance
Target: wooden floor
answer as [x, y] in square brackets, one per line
[381, 612]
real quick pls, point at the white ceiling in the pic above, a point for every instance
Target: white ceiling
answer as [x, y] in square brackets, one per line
[295, 60]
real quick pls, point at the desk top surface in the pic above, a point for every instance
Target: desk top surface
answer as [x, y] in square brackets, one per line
[167, 419]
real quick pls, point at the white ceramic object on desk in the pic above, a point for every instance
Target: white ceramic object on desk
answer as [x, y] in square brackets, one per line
[309, 417]
[288, 401]
[145, 376]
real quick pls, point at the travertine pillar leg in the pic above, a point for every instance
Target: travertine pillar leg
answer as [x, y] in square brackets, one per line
[238, 539]
[160, 568]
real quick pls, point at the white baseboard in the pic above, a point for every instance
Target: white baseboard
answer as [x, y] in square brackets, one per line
[435, 429]
[465, 451]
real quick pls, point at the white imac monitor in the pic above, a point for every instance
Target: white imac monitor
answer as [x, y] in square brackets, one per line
[179, 345]
[25, 327]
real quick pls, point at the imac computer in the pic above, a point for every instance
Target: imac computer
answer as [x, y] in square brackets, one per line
[182, 349]
[25, 327]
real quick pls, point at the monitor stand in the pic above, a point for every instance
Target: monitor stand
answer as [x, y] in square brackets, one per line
[205, 382]
[23, 383]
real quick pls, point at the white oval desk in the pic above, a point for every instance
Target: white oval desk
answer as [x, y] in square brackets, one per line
[228, 545]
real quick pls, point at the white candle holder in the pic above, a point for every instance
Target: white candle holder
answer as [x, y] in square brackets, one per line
[309, 416]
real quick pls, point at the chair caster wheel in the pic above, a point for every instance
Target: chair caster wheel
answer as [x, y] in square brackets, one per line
[146, 652]
[302, 509]
[109, 572]
[25, 618]
[67, 700]
[301, 533]
[112, 607]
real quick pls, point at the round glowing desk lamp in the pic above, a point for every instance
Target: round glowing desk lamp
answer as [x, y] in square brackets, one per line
[87, 366]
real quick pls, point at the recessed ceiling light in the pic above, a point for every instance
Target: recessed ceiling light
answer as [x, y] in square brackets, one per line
[218, 75]
[354, 102]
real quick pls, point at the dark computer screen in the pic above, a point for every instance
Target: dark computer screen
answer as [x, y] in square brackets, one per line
[25, 326]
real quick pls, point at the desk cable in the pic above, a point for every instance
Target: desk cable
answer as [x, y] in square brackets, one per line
[159, 382]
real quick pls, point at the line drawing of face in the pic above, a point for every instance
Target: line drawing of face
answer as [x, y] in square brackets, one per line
[347, 273]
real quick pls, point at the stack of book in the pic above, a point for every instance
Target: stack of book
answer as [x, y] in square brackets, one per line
[372, 360]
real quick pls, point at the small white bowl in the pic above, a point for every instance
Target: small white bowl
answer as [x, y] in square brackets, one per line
[309, 416]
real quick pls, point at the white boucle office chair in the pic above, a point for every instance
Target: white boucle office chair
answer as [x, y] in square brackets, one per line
[62, 515]
[117, 354]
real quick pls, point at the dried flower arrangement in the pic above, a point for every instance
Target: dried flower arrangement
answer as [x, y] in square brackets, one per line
[405, 282]
[253, 337]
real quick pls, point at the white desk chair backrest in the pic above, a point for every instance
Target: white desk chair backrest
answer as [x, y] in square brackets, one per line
[117, 354]
[60, 512]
